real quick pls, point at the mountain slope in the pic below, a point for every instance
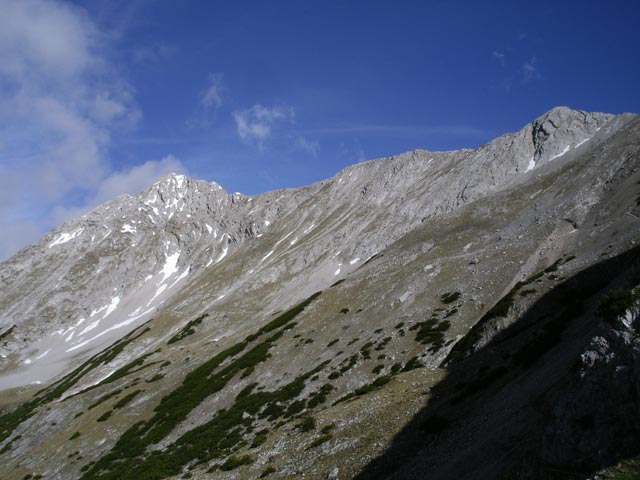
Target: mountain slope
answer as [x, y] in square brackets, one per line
[196, 287]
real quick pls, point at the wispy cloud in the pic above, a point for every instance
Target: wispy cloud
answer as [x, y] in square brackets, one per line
[516, 69]
[499, 57]
[153, 53]
[255, 125]
[61, 100]
[530, 71]
[351, 152]
[310, 146]
[211, 97]
[399, 130]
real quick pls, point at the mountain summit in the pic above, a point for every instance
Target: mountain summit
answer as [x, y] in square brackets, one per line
[413, 314]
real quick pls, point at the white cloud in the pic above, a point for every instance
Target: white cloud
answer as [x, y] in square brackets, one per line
[211, 97]
[255, 125]
[61, 100]
[499, 57]
[310, 146]
[530, 70]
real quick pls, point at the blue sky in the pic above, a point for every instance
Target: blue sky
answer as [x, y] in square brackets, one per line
[99, 98]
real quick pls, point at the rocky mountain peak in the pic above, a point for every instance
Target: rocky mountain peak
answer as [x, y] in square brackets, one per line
[561, 129]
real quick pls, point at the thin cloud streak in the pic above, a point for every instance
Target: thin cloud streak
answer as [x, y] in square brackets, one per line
[399, 130]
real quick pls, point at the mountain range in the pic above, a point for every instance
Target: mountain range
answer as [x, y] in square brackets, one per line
[463, 314]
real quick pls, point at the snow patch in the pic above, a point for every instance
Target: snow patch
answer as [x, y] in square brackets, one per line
[180, 277]
[161, 289]
[566, 149]
[170, 266]
[209, 227]
[128, 229]
[531, 166]
[42, 355]
[66, 237]
[112, 306]
[110, 329]
[223, 254]
[581, 142]
[354, 261]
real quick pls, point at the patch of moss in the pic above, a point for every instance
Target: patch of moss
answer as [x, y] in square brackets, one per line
[450, 297]
[155, 378]
[125, 400]
[233, 462]
[615, 303]
[307, 424]
[319, 441]
[104, 398]
[382, 344]
[412, 364]
[188, 329]
[431, 332]
[363, 390]
[259, 439]
[105, 416]
[268, 471]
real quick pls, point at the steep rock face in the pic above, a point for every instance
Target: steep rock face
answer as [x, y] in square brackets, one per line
[410, 252]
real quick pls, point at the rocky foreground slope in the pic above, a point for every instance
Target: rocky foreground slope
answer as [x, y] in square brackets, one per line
[464, 314]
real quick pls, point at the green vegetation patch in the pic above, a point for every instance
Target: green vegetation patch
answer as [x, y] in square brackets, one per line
[188, 329]
[431, 332]
[307, 424]
[104, 398]
[319, 441]
[234, 462]
[268, 471]
[626, 470]
[615, 303]
[363, 390]
[450, 297]
[155, 378]
[126, 400]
